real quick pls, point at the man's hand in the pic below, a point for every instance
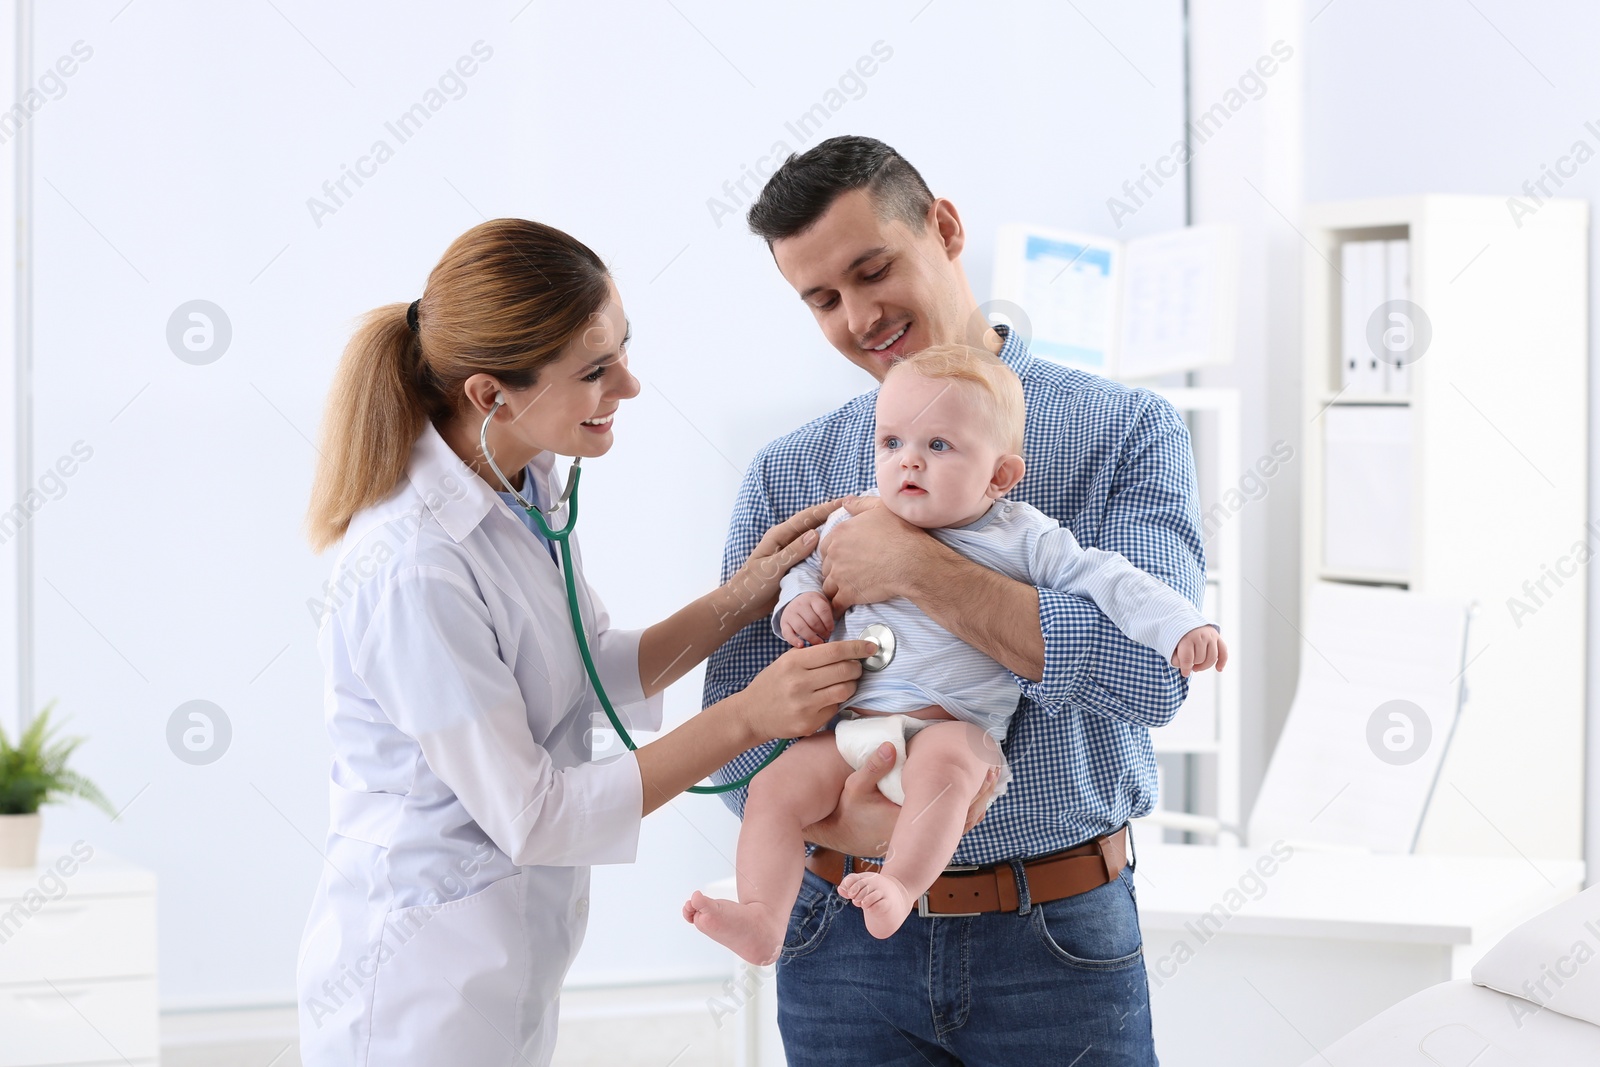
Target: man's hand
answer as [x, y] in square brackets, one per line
[1199, 650]
[752, 592]
[864, 819]
[807, 619]
[872, 557]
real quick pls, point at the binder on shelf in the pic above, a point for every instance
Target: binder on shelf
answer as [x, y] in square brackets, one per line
[1397, 254]
[1364, 265]
[1350, 326]
[1374, 291]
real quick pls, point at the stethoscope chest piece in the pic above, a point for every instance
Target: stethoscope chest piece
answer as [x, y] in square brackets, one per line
[883, 637]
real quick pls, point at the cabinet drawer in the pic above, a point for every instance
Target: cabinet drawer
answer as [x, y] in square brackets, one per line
[78, 1022]
[78, 937]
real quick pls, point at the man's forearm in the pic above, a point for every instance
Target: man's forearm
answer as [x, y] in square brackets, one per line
[987, 610]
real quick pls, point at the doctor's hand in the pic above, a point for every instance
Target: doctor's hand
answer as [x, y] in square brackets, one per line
[752, 592]
[800, 691]
[864, 818]
[874, 556]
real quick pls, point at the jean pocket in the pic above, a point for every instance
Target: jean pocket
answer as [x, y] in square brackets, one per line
[1097, 930]
[810, 917]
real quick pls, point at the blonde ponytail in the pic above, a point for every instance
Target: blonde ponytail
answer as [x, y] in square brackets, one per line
[372, 418]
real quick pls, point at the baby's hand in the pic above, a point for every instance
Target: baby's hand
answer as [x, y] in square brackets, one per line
[1199, 649]
[807, 618]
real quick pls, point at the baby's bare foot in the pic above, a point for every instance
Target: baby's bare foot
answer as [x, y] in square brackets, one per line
[747, 929]
[883, 898]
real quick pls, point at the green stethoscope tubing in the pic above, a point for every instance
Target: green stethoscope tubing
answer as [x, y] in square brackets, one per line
[560, 538]
[569, 496]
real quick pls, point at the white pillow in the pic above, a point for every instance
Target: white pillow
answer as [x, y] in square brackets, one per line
[1552, 960]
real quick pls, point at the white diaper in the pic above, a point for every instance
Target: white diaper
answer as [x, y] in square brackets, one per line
[859, 735]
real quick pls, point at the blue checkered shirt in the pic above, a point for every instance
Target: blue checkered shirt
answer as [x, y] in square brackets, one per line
[1113, 464]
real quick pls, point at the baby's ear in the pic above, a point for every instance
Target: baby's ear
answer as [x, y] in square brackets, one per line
[1007, 473]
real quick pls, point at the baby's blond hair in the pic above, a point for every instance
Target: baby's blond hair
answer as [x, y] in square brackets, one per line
[997, 387]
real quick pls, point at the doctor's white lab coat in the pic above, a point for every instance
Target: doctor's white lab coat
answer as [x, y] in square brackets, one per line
[465, 809]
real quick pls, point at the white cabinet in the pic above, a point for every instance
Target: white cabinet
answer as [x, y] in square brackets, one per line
[1239, 940]
[77, 961]
[1468, 479]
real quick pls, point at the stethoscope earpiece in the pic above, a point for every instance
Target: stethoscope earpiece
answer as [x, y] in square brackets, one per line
[533, 509]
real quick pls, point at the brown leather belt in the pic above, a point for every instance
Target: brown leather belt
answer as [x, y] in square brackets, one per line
[975, 890]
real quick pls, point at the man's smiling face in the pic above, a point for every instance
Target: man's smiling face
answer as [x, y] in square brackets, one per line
[879, 289]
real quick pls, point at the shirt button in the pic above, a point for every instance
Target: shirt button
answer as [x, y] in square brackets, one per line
[581, 908]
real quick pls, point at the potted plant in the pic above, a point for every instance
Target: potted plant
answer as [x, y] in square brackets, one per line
[34, 772]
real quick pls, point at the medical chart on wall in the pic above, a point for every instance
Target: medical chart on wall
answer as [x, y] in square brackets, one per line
[1128, 310]
[1178, 301]
[1066, 292]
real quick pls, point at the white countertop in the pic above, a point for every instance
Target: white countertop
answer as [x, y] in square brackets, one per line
[1449, 900]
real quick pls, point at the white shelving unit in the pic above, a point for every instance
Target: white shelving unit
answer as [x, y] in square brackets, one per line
[1208, 723]
[1492, 477]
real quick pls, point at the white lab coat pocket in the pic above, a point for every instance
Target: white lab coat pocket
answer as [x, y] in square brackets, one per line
[449, 989]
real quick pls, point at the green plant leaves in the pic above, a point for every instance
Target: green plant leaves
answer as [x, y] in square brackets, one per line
[34, 771]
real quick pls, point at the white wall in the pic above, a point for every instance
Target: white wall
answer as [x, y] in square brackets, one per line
[178, 166]
[13, 383]
[1246, 173]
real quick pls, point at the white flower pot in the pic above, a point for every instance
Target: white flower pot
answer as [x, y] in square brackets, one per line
[19, 840]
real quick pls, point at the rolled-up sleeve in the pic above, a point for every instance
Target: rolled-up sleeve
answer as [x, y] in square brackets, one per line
[431, 659]
[1141, 605]
[1152, 520]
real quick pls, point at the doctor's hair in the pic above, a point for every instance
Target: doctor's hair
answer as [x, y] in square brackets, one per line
[505, 299]
[806, 185]
[997, 387]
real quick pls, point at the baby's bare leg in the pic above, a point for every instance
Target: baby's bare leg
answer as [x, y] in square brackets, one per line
[944, 765]
[799, 788]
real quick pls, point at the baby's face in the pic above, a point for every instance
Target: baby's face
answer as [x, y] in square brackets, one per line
[937, 457]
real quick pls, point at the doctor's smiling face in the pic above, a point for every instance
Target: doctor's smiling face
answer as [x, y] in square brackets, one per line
[879, 287]
[571, 406]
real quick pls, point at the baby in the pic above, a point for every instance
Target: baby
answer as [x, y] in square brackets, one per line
[949, 438]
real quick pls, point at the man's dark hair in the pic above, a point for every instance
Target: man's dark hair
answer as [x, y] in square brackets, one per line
[801, 191]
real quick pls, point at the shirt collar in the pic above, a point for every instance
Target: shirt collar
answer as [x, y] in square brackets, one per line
[530, 491]
[1014, 351]
[456, 496]
[982, 520]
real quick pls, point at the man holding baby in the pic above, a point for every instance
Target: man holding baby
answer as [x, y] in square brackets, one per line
[1026, 950]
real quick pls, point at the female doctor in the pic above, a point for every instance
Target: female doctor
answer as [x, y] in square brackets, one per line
[465, 806]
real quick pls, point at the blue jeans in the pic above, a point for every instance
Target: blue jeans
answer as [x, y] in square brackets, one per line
[1055, 983]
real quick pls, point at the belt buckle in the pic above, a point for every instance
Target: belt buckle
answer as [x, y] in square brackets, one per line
[922, 901]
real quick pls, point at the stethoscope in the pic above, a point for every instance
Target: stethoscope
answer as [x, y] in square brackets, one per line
[877, 632]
